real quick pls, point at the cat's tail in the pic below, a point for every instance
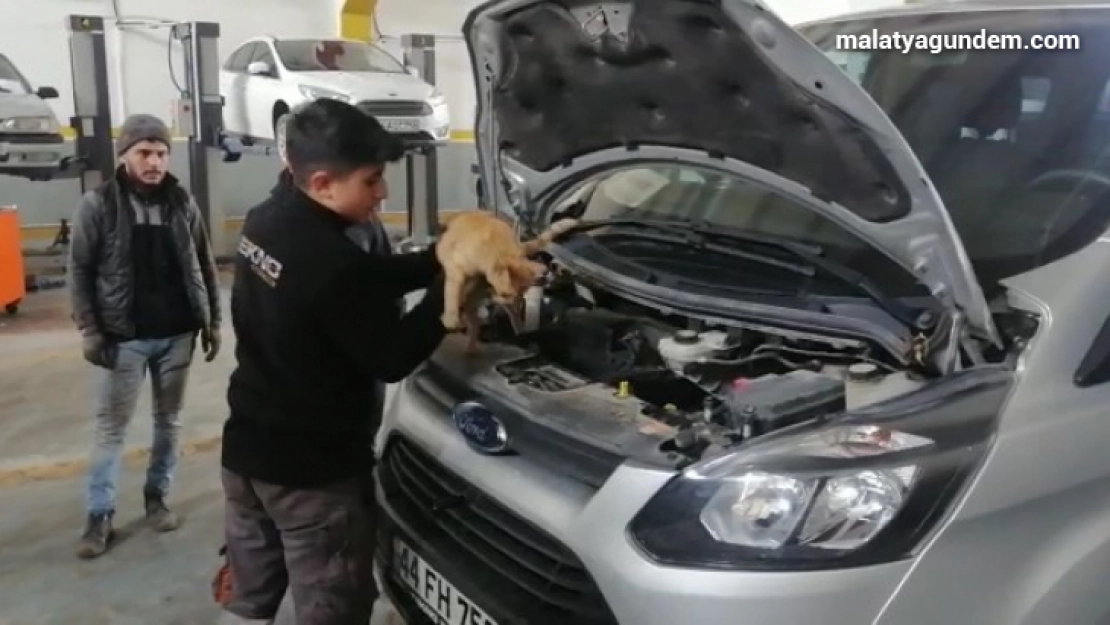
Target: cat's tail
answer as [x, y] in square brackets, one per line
[545, 238]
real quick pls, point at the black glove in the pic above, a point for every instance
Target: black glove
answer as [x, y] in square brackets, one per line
[99, 351]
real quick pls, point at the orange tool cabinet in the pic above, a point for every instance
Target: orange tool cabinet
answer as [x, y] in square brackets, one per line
[13, 282]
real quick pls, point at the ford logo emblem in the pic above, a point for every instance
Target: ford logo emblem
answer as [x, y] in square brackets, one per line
[481, 429]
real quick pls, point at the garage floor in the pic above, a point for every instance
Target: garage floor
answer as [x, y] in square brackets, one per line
[44, 416]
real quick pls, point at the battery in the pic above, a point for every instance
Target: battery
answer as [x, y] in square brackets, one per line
[771, 402]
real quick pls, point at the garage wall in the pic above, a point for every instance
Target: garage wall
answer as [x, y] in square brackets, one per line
[34, 37]
[236, 188]
[36, 40]
[442, 18]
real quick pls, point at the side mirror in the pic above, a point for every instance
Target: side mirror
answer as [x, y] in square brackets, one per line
[412, 70]
[259, 68]
[47, 93]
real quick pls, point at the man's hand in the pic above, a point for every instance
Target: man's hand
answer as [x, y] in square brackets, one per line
[210, 342]
[99, 351]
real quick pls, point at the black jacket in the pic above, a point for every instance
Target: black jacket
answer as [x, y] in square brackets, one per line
[100, 261]
[317, 329]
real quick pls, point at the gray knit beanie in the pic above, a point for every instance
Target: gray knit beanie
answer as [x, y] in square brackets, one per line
[141, 127]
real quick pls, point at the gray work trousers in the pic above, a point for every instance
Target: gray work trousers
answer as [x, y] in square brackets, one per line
[318, 542]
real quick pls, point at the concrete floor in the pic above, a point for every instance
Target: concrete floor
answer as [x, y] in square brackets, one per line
[46, 392]
[147, 579]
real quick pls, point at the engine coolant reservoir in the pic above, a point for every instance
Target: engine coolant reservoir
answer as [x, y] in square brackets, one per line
[866, 383]
[687, 346]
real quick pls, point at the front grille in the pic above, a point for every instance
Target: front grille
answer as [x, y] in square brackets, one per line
[36, 138]
[395, 108]
[414, 138]
[526, 575]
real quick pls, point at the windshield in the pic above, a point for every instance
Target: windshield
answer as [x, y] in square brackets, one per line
[1016, 142]
[315, 55]
[11, 81]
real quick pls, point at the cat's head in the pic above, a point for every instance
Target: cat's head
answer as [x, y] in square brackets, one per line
[511, 277]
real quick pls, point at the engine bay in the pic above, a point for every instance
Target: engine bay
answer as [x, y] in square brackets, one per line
[708, 387]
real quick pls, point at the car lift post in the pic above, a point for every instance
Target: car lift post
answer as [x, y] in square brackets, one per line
[92, 105]
[421, 170]
[201, 113]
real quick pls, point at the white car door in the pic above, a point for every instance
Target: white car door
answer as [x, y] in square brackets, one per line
[265, 89]
[233, 86]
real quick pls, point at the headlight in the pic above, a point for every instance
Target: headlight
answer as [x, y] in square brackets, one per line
[854, 493]
[837, 511]
[437, 98]
[29, 124]
[315, 93]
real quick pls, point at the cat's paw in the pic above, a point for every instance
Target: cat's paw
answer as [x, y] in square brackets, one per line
[451, 321]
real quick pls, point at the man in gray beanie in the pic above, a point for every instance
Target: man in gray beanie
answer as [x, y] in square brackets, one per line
[144, 287]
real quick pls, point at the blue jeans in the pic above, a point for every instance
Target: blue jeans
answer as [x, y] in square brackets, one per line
[168, 361]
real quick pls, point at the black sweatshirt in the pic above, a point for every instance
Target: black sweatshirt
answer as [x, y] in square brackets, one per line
[316, 325]
[160, 297]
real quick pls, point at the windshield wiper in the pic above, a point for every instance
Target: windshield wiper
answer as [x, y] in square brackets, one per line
[702, 237]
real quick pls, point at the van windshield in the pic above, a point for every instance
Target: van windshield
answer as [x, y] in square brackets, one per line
[11, 80]
[1017, 143]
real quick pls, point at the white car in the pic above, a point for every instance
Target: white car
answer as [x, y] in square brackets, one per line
[31, 143]
[266, 77]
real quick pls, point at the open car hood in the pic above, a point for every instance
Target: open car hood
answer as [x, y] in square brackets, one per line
[567, 88]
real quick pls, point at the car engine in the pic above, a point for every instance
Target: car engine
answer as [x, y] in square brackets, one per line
[711, 386]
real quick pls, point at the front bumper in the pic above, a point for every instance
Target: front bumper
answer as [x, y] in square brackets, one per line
[31, 155]
[528, 545]
[434, 127]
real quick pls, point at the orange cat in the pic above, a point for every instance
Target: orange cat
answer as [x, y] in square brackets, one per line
[478, 247]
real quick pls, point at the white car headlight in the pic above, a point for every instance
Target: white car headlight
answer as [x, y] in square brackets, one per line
[437, 98]
[854, 490]
[315, 93]
[29, 124]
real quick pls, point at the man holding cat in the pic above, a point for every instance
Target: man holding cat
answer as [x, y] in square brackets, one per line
[318, 331]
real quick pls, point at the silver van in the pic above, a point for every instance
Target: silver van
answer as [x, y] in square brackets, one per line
[31, 143]
[832, 347]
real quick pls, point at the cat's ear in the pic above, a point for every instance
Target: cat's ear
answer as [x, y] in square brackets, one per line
[526, 272]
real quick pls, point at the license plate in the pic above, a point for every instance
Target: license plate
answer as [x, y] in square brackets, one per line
[39, 157]
[400, 125]
[436, 596]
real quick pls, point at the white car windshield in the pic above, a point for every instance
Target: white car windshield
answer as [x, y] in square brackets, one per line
[11, 81]
[328, 55]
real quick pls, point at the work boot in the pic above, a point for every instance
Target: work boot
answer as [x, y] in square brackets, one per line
[97, 537]
[160, 518]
